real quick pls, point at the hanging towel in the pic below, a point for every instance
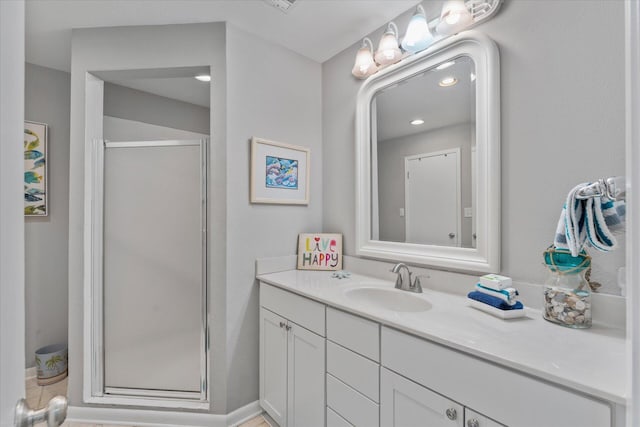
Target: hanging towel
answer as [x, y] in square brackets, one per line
[508, 295]
[591, 220]
[494, 301]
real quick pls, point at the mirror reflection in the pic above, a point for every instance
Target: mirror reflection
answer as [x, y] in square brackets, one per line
[423, 155]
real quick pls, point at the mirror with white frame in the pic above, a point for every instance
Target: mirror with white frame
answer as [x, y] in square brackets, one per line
[428, 158]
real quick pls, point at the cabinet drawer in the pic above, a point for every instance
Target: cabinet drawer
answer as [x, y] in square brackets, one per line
[335, 420]
[512, 398]
[303, 311]
[355, 333]
[354, 370]
[351, 405]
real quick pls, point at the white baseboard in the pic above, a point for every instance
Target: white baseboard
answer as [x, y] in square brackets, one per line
[148, 418]
[31, 372]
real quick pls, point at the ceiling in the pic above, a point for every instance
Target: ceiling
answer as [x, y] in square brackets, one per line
[421, 97]
[317, 29]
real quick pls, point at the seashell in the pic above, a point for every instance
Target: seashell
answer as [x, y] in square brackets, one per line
[580, 305]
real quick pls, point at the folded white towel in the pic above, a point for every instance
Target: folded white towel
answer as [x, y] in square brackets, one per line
[508, 295]
[590, 220]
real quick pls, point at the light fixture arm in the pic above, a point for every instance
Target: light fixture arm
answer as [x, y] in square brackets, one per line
[392, 28]
[366, 42]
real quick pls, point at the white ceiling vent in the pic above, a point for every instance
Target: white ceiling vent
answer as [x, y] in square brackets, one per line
[283, 5]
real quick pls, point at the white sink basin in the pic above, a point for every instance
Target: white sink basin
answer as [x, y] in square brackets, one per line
[389, 299]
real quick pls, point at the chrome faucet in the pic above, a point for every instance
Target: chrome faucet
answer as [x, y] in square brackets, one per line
[404, 282]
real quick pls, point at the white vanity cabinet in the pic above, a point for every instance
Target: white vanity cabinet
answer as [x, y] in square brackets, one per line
[512, 398]
[323, 366]
[353, 370]
[292, 358]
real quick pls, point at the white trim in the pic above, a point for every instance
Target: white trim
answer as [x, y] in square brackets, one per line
[93, 339]
[486, 256]
[632, 70]
[144, 417]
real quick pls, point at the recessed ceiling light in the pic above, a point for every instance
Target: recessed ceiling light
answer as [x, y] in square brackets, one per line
[417, 122]
[445, 65]
[448, 81]
[203, 77]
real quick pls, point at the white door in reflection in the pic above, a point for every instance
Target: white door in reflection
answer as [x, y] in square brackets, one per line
[432, 198]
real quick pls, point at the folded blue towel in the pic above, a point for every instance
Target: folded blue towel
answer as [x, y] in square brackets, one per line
[494, 301]
[508, 295]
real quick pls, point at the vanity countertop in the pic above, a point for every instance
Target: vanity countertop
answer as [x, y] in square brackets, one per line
[592, 361]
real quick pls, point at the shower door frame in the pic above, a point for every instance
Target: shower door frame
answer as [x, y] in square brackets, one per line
[94, 390]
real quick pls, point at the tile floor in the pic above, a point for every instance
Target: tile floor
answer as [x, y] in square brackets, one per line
[38, 396]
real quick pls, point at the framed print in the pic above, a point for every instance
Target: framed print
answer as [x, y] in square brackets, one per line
[35, 169]
[319, 251]
[279, 173]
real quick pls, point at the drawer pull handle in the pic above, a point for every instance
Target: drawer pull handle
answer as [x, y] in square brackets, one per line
[473, 423]
[452, 414]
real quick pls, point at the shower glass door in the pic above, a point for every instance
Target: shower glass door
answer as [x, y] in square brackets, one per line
[154, 269]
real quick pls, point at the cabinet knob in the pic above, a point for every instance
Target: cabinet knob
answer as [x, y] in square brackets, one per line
[473, 423]
[288, 328]
[452, 414]
[452, 235]
[282, 325]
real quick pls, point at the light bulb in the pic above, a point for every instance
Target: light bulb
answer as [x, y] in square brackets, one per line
[364, 65]
[455, 17]
[418, 37]
[388, 51]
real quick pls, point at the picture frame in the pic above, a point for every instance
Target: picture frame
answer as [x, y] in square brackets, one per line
[319, 251]
[36, 196]
[279, 173]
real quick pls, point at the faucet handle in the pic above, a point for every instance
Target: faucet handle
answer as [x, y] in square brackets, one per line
[417, 283]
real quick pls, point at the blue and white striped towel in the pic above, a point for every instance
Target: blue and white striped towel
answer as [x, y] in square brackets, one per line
[507, 295]
[590, 220]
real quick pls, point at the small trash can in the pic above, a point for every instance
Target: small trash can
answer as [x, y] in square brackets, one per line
[51, 363]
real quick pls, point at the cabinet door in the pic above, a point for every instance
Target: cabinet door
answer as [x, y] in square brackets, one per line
[273, 365]
[474, 419]
[306, 400]
[404, 403]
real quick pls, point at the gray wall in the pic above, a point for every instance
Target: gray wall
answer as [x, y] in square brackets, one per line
[278, 100]
[47, 94]
[133, 104]
[100, 49]
[391, 182]
[562, 95]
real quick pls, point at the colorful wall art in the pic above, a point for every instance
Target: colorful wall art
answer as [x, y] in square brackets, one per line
[35, 169]
[320, 251]
[279, 173]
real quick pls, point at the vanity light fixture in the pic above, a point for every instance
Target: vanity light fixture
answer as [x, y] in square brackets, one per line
[455, 17]
[448, 82]
[417, 122]
[365, 65]
[203, 77]
[445, 65]
[388, 50]
[418, 37]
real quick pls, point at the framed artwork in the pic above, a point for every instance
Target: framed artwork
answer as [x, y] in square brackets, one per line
[35, 169]
[279, 173]
[319, 251]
